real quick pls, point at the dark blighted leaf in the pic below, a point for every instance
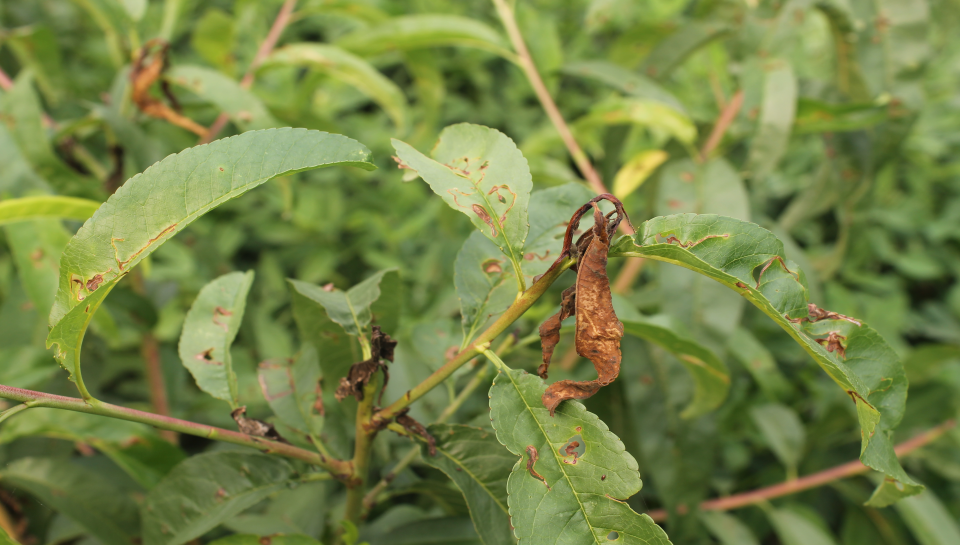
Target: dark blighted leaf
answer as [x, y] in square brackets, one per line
[352, 308]
[208, 332]
[246, 111]
[292, 388]
[710, 374]
[626, 81]
[51, 206]
[479, 171]
[751, 261]
[207, 489]
[776, 117]
[484, 282]
[479, 465]
[580, 499]
[424, 31]
[92, 502]
[153, 206]
[350, 69]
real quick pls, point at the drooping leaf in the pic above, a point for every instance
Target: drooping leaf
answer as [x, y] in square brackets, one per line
[728, 529]
[479, 465]
[348, 68]
[551, 498]
[783, 430]
[209, 329]
[479, 171]
[48, 206]
[424, 31]
[669, 53]
[710, 374]
[795, 528]
[626, 81]
[929, 520]
[777, 113]
[292, 388]
[352, 309]
[246, 111]
[153, 206]
[106, 512]
[853, 354]
[207, 489]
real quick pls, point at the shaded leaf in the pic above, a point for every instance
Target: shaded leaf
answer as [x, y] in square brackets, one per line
[731, 252]
[549, 213]
[352, 308]
[728, 529]
[424, 31]
[153, 206]
[777, 112]
[575, 502]
[292, 388]
[783, 430]
[207, 489]
[36, 246]
[670, 52]
[484, 283]
[759, 362]
[929, 520]
[209, 330]
[479, 465]
[626, 81]
[350, 69]
[246, 111]
[794, 528]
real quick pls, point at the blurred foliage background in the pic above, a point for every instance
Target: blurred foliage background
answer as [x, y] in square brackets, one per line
[841, 135]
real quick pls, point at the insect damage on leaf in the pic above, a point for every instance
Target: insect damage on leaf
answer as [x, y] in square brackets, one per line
[598, 330]
[252, 426]
[532, 456]
[815, 314]
[381, 348]
[415, 428]
[833, 344]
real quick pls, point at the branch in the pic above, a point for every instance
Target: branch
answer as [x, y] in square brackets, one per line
[821, 478]
[339, 468]
[279, 24]
[726, 117]
[521, 305]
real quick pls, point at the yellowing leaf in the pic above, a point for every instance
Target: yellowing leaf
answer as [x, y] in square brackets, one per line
[636, 171]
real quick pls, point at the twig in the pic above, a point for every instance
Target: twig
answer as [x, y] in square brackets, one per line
[279, 24]
[339, 468]
[726, 117]
[821, 478]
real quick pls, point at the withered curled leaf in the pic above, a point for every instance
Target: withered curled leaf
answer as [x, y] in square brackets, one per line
[416, 428]
[381, 348]
[252, 426]
[598, 330]
[143, 75]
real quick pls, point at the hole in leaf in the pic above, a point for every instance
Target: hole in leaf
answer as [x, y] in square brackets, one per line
[613, 536]
[573, 450]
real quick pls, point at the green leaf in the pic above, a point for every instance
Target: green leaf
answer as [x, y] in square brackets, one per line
[350, 69]
[479, 171]
[424, 31]
[207, 489]
[728, 529]
[783, 430]
[352, 309]
[731, 252]
[274, 539]
[650, 114]
[626, 81]
[246, 111]
[214, 38]
[107, 513]
[669, 53]
[5, 538]
[777, 112]
[291, 388]
[759, 362]
[479, 465]
[636, 171]
[795, 528]
[929, 520]
[584, 501]
[814, 116]
[710, 374]
[48, 206]
[433, 531]
[209, 329]
[153, 206]
[36, 246]
[484, 283]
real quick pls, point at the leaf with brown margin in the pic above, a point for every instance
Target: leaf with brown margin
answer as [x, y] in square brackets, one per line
[598, 330]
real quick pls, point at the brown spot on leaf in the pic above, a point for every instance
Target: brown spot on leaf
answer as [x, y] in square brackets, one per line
[672, 239]
[451, 352]
[532, 456]
[265, 540]
[94, 282]
[817, 314]
[767, 266]
[116, 252]
[207, 357]
[219, 313]
[492, 266]
[686, 176]
[481, 212]
[833, 343]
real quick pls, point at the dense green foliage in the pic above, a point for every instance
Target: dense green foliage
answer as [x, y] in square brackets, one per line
[797, 156]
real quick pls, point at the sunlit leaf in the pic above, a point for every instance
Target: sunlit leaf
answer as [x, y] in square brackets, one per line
[51, 206]
[424, 31]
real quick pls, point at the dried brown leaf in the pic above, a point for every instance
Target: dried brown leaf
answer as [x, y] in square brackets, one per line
[416, 428]
[550, 329]
[382, 348]
[252, 426]
[143, 75]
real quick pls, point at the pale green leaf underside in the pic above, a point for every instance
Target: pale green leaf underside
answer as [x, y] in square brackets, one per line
[710, 375]
[424, 31]
[70, 208]
[352, 308]
[479, 171]
[348, 68]
[155, 205]
[479, 465]
[584, 503]
[245, 110]
[209, 330]
[203, 491]
[731, 251]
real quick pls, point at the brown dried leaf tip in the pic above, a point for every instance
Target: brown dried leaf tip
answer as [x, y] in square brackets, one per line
[416, 428]
[382, 348]
[252, 426]
[142, 77]
[598, 330]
